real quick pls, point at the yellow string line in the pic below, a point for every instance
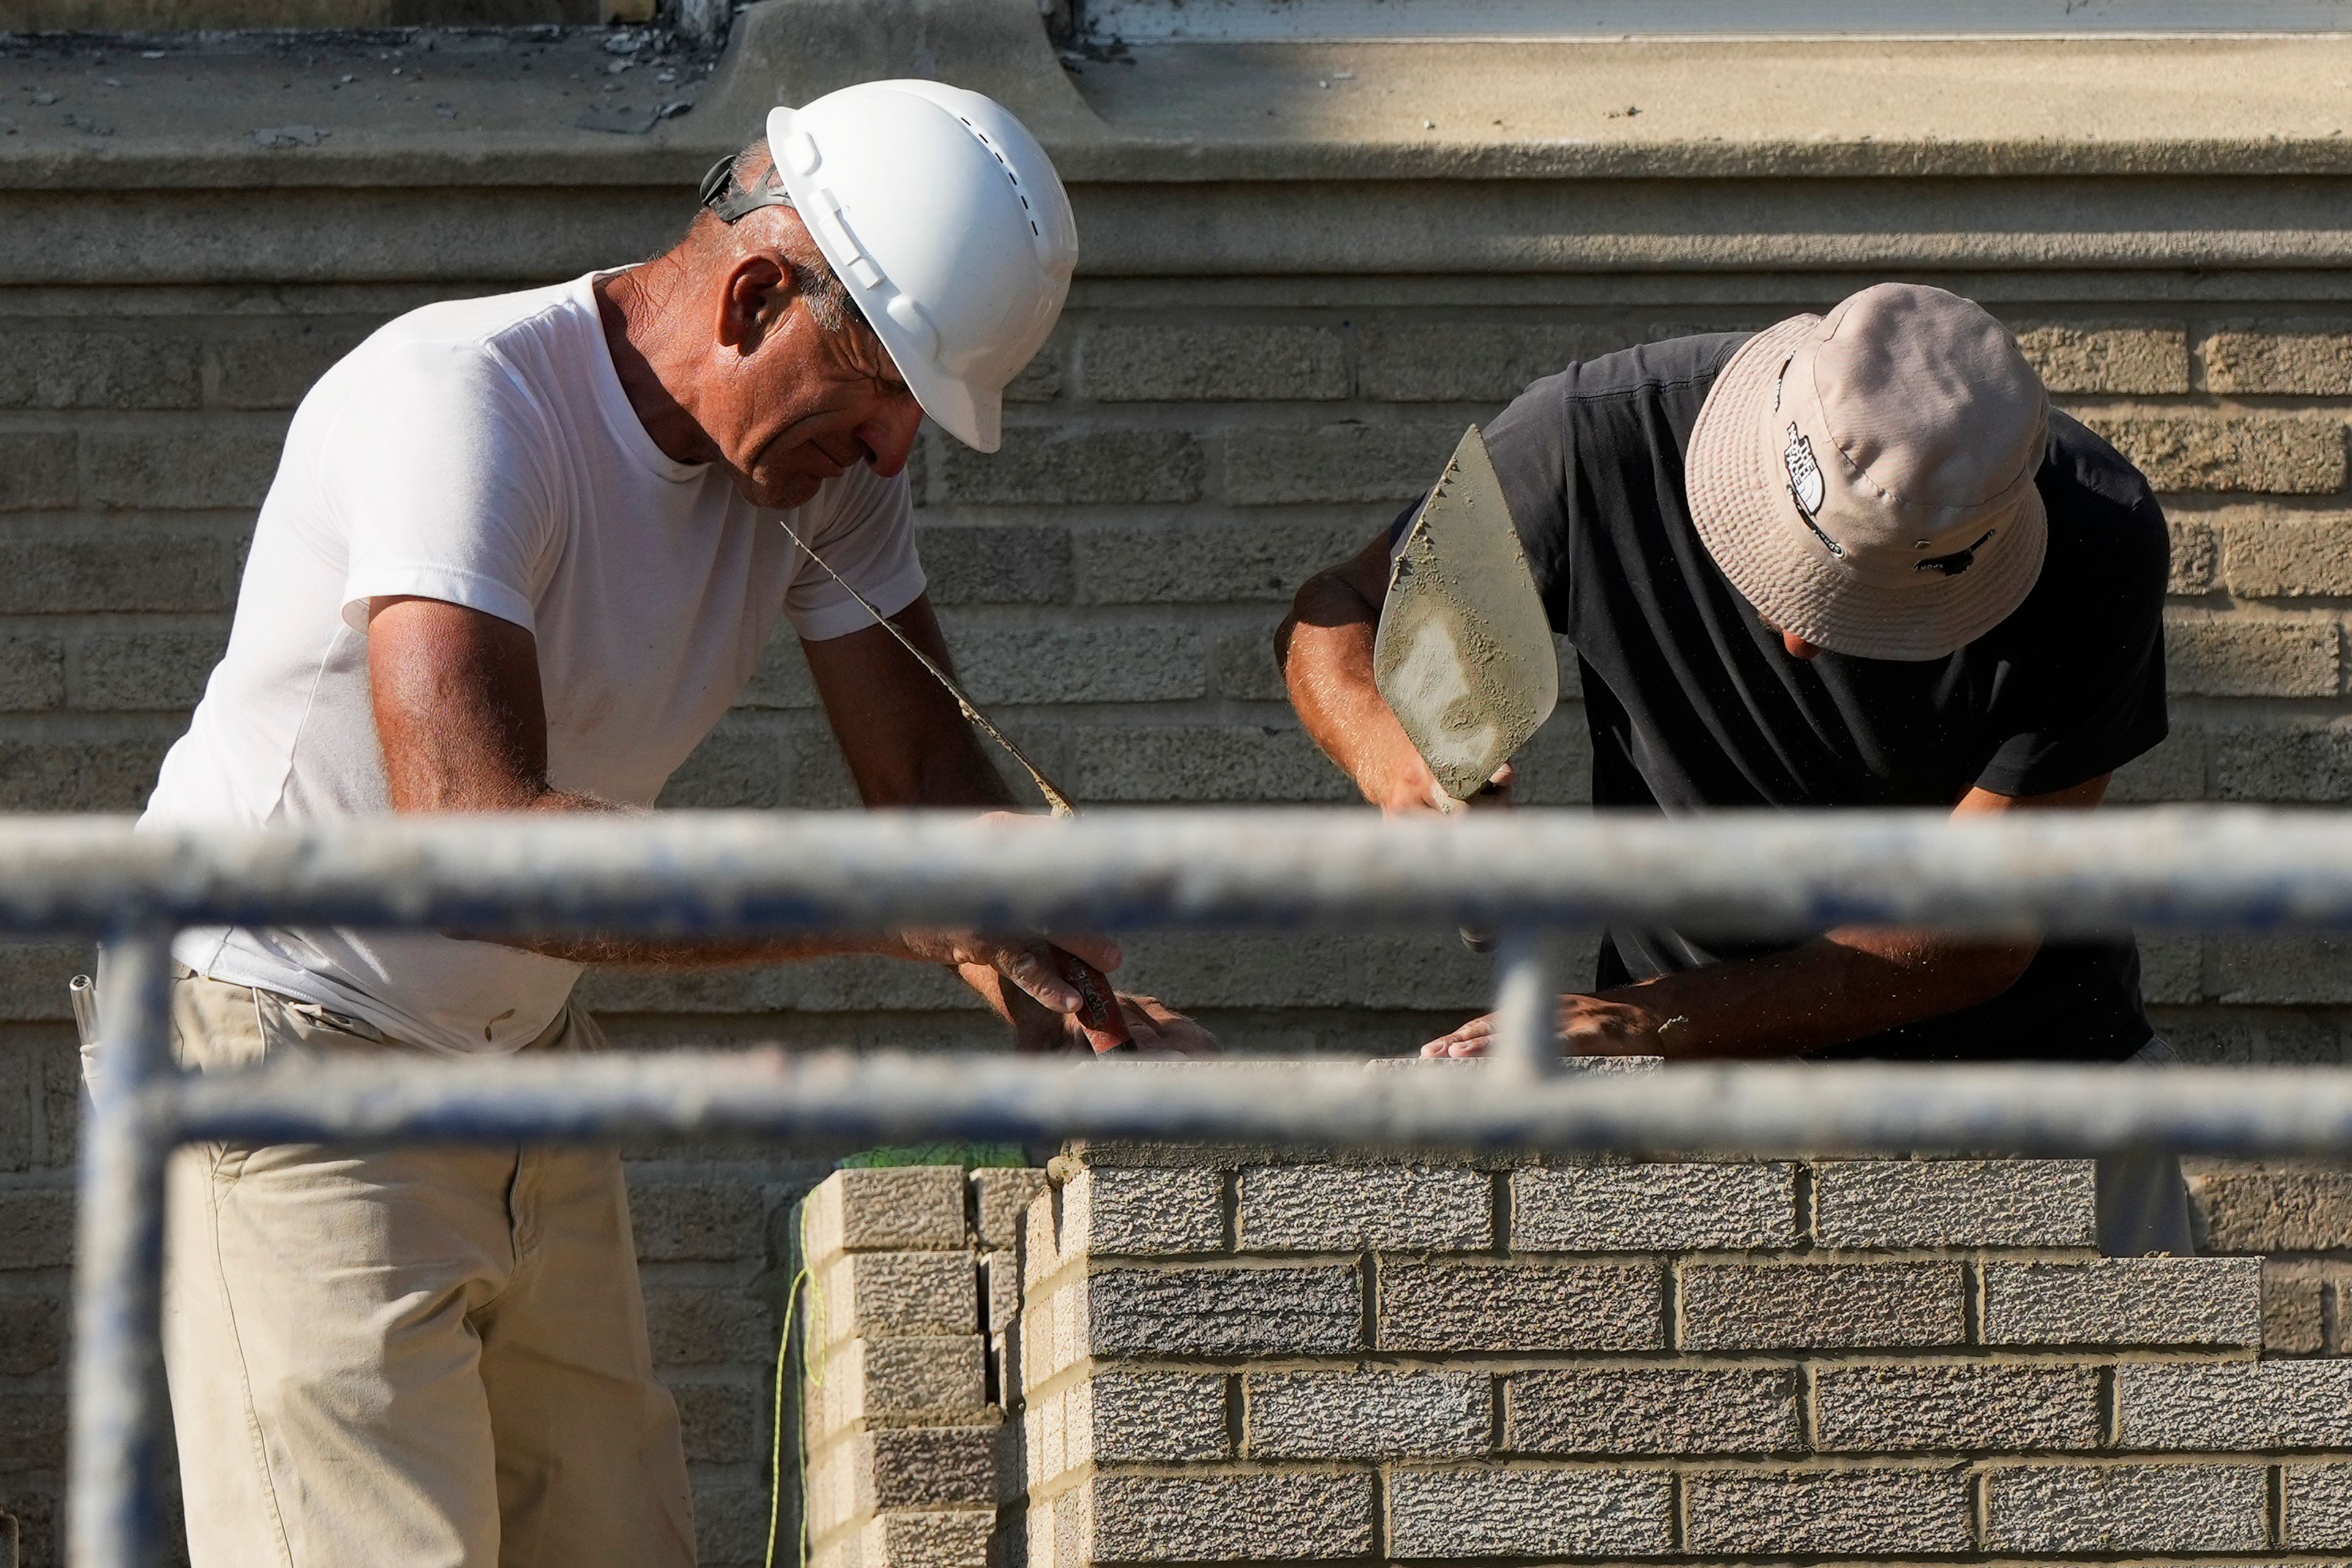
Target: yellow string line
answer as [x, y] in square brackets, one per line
[776, 1451]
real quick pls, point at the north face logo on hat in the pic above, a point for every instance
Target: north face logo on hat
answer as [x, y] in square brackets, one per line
[1805, 482]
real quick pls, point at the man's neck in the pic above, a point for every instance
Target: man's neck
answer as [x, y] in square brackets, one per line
[642, 337]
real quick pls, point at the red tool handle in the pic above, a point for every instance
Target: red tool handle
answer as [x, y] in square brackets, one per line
[1100, 1014]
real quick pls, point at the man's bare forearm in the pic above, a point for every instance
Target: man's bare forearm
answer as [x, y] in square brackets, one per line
[1325, 649]
[1848, 985]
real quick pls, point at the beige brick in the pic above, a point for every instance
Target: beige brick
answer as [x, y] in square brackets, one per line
[1526, 1512]
[704, 1326]
[2292, 557]
[2295, 760]
[1211, 560]
[1653, 1410]
[889, 1209]
[1127, 1418]
[2196, 556]
[1143, 1213]
[2127, 1508]
[1368, 1415]
[1451, 1307]
[929, 1538]
[2314, 363]
[1953, 1407]
[1269, 1515]
[1365, 461]
[2108, 359]
[1777, 1512]
[1341, 1208]
[1789, 1306]
[2276, 454]
[1217, 1311]
[2276, 1207]
[720, 1424]
[2236, 1406]
[1660, 1206]
[1955, 1202]
[2317, 1511]
[934, 1380]
[1474, 361]
[691, 1221]
[879, 1295]
[2244, 654]
[2294, 1307]
[2151, 1302]
[1000, 1197]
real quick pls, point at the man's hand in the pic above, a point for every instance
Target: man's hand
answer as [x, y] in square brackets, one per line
[1589, 1026]
[1022, 960]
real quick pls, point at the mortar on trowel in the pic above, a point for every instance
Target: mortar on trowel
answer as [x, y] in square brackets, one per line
[1465, 656]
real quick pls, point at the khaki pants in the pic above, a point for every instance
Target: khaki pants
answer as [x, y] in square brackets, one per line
[407, 1358]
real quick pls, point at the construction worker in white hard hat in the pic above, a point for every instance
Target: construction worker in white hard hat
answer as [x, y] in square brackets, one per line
[521, 553]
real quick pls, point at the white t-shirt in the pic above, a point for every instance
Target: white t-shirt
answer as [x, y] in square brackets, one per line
[483, 452]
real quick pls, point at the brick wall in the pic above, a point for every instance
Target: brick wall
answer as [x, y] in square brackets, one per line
[1180, 457]
[1226, 1358]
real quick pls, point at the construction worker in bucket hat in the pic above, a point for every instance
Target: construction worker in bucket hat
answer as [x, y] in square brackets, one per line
[1850, 561]
[521, 553]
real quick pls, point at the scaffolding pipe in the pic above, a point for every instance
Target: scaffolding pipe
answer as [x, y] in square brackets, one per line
[1757, 873]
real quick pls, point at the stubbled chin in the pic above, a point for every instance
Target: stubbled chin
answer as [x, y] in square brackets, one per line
[784, 494]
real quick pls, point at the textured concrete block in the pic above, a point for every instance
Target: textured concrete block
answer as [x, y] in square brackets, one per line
[684, 1221]
[72, 367]
[879, 1295]
[2125, 1301]
[31, 671]
[1949, 1406]
[1257, 362]
[32, 1333]
[916, 1468]
[1138, 658]
[1451, 1307]
[1827, 1305]
[2087, 359]
[706, 1326]
[272, 364]
[2295, 556]
[1355, 462]
[2307, 760]
[2312, 363]
[145, 671]
[37, 1227]
[720, 1424]
[1529, 1513]
[1283, 1516]
[2127, 1508]
[1225, 1311]
[1778, 1512]
[117, 571]
[1000, 1197]
[2275, 1206]
[894, 1209]
[1368, 1415]
[927, 1538]
[1160, 764]
[1955, 1202]
[1474, 361]
[99, 772]
[36, 469]
[1213, 560]
[1122, 1417]
[2236, 1406]
[2276, 454]
[933, 1380]
[1143, 1213]
[1058, 467]
[2237, 653]
[2317, 1513]
[996, 563]
[1653, 1410]
[218, 464]
[1341, 1208]
[2294, 1308]
[1652, 1207]
[33, 1430]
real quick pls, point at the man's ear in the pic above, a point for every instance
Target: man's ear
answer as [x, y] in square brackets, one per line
[756, 293]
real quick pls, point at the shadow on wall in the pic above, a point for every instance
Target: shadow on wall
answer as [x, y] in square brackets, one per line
[187, 15]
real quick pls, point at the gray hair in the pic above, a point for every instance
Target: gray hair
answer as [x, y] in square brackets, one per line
[813, 279]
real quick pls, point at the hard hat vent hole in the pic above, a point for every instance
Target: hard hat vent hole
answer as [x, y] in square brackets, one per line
[1004, 163]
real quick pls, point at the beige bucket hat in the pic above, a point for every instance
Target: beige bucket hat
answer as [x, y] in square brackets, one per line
[1865, 477]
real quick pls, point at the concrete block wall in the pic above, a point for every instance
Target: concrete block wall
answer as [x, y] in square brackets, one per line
[1233, 1358]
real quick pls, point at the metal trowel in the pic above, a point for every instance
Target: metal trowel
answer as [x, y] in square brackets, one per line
[1465, 656]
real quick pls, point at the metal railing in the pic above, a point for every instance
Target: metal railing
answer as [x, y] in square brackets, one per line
[713, 875]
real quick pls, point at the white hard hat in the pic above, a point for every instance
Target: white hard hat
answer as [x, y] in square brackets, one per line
[947, 225]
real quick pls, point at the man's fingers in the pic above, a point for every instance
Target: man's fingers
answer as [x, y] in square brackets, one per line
[1027, 967]
[1098, 950]
[1160, 1028]
[1469, 1040]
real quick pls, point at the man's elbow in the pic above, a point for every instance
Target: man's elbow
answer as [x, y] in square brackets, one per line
[1978, 974]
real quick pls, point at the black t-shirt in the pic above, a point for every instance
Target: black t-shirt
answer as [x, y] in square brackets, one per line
[1693, 703]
